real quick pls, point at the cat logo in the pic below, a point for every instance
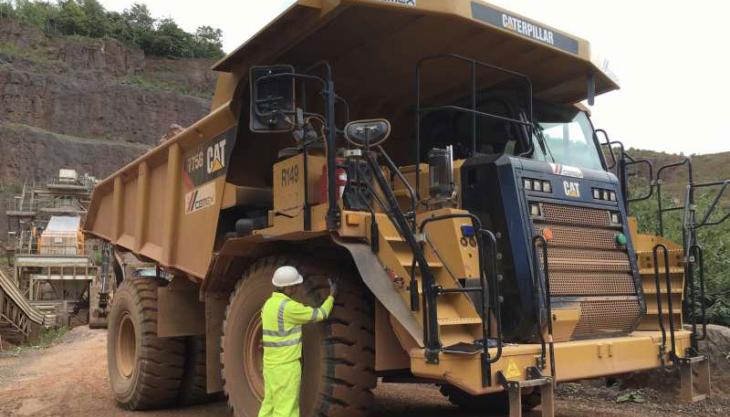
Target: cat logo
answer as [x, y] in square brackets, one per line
[215, 157]
[572, 189]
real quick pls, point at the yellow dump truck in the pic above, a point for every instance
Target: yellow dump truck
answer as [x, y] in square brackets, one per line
[431, 157]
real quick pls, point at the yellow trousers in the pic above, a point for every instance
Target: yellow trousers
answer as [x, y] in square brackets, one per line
[281, 390]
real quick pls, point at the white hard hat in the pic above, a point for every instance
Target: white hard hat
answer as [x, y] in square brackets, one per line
[286, 276]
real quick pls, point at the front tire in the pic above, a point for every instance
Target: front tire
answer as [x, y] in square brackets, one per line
[338, 355]
[144, 370]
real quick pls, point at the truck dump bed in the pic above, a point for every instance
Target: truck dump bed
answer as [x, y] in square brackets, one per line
[165, 206]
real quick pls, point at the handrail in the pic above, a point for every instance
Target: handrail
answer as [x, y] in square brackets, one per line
[696, 255]
[496, 294]
[547, 300]
[608, 145]
[650, 193]
[689, 201]
[668, 280]
[411, 192]
[430, 328]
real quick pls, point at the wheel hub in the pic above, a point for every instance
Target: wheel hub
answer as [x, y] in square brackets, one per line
[126, 346]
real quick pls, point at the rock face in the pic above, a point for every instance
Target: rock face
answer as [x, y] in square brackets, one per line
[717, 347]
[88, 104]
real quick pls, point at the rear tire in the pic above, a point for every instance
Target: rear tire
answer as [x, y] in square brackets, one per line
[193, 387]
[338, 355]
[144, 370]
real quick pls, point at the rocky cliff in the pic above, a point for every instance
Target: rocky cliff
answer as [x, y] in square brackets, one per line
[88, 104]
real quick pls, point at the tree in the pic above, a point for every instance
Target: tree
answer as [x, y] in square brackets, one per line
[97, 18]
[72, 19]
[208, 42]
[134, 26]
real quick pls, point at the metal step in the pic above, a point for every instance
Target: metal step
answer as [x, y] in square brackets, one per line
[694, 375]
[459, 321]
[535, 381]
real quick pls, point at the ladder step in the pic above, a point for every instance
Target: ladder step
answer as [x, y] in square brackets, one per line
[463, 348]
[535, 382]
[673, 270]
[663, 292]
[459, 321]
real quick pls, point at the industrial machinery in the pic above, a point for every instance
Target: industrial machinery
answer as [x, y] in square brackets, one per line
[52, 262]
[430, 156]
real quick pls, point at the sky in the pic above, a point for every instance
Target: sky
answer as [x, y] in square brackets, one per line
[671, 59]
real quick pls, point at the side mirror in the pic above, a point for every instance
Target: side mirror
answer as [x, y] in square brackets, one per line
[272, 98]
[366, 133]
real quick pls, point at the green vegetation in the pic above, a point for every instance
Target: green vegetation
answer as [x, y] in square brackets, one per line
[37, 56]
[135, 26]
[150, 83]
[48, 338]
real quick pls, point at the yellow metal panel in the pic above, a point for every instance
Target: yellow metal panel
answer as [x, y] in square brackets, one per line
[573, 360]
[171, 207]
[141, 208]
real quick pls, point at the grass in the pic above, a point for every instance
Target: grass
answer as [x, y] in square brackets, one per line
[149, 83]
[48, 338]
[37, 56]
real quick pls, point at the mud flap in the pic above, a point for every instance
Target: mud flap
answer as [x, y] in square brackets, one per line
[377, 280]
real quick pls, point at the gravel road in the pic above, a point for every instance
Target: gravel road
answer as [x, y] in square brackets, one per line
[70, 379]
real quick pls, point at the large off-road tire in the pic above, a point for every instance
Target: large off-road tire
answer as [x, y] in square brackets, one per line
[144, 370]
[492, 403]
[338, 355]
[193, 387]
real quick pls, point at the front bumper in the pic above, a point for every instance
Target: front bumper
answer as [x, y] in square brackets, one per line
[575, 360]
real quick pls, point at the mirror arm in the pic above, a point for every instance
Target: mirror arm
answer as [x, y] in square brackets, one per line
[333, 212]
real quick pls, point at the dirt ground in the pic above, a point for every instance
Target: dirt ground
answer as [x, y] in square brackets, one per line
[70, 379]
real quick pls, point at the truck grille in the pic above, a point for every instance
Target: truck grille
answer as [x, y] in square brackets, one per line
[588, 268]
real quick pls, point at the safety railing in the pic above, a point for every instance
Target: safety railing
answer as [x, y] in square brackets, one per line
[694, 306]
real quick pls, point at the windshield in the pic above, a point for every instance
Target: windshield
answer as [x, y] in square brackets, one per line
[565, 136]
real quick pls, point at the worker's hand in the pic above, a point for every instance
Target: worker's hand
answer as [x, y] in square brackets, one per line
[333, 287]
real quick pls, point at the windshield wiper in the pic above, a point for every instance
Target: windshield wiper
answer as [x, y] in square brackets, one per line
[542, 142]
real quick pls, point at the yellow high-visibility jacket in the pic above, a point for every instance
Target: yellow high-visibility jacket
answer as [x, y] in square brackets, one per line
[282, 320]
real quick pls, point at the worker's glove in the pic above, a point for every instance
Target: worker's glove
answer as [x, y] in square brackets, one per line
[333, 287]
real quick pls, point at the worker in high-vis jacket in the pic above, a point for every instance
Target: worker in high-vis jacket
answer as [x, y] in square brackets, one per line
[282, 319]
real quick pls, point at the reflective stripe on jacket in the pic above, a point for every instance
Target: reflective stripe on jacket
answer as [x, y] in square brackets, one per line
[282, 320]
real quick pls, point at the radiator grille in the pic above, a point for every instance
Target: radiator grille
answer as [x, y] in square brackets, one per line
[585, 262]
[571, 284]
[576, 216]
[607, 318]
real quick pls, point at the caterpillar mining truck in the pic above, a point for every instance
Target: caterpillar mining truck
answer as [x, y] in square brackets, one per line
[428, 155]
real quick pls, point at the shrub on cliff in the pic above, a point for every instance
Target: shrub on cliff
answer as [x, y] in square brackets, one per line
[135, 26]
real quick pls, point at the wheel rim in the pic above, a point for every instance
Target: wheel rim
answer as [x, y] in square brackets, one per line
[126, 347]
[253, 356]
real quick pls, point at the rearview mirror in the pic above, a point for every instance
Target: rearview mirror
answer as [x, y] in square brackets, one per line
[366, 133]
[272, 98]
